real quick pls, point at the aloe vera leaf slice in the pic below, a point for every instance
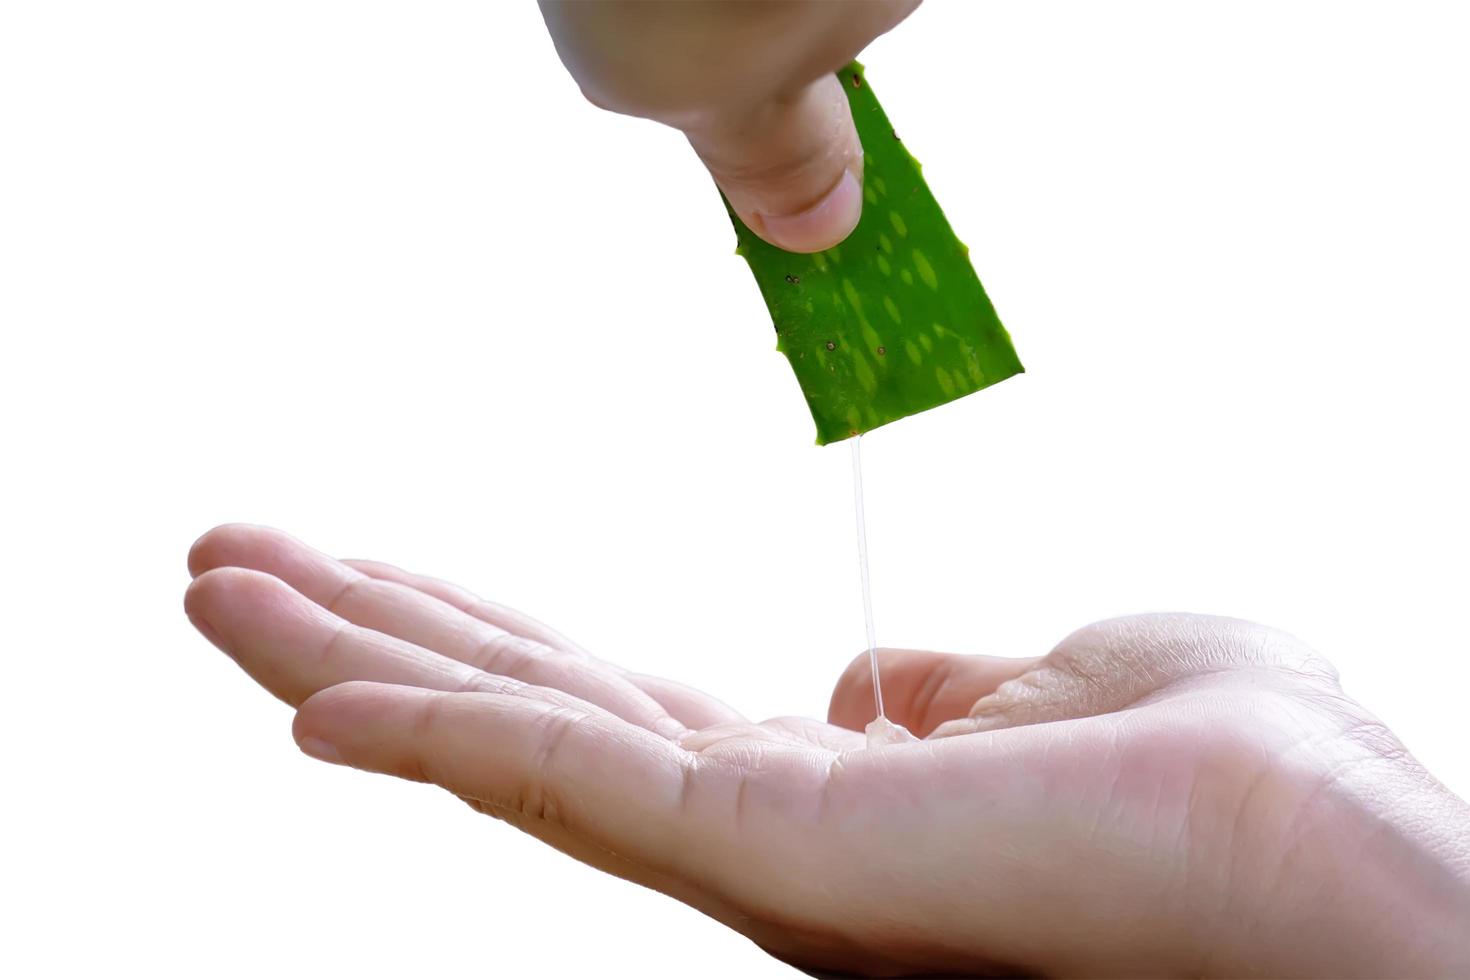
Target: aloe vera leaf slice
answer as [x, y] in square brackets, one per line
[894, 320]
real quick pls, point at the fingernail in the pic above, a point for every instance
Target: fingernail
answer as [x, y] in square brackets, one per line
[207, 631]
[822, 225]
[319, 749]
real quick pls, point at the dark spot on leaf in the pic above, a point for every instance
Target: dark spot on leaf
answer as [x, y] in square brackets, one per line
[794, 280]
[857, 80]
[831, 345]
[882, 351]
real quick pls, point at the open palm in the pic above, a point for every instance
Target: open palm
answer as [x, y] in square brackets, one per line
[1145, 799]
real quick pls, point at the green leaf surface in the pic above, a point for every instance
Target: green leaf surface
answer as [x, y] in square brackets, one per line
[893, 321]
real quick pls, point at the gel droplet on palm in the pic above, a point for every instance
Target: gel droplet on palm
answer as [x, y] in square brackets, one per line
[880, 730]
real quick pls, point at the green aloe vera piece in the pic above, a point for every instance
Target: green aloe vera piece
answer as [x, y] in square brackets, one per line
[894, 320]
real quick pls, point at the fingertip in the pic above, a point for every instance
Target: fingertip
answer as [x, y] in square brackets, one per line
[195, 602]
[333, 713]
[202, 551]
[372, 726]
[351, 705]
[221, 545]
[199, 596]
[322, 719]
[826, 223]
[256, 619]
[315, 575]
[321, 750]
[228, 589]
[314, 716]
[791, 168]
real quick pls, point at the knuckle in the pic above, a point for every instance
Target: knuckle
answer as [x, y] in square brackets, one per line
[535, 797]
[507, 654]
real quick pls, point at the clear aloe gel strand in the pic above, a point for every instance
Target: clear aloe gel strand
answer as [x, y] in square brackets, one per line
[862, 544]
[880, 730]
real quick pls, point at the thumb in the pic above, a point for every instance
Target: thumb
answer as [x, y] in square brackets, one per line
[921, 689]
[791, 167]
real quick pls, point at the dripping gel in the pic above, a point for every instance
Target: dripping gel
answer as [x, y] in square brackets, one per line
[880, 730]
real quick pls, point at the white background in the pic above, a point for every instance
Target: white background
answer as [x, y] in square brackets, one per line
[374, 273]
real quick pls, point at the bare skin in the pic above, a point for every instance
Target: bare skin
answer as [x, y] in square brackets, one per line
[751, 84]
[1159, 795]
